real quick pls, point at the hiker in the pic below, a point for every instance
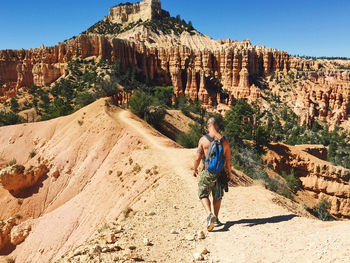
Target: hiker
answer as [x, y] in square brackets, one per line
[215, 148]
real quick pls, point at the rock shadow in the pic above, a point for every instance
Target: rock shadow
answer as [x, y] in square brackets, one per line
[31, 190]
[7, 250]
[256, 221]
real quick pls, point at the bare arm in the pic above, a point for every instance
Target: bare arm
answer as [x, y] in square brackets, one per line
[227, 152]
[198, 159]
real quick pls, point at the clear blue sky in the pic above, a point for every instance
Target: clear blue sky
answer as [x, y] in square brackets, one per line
[305, 27]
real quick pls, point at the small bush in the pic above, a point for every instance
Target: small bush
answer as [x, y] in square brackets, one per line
[293, 183]
[127, 211]
[85, 98]
[12, 162]
[154, 115]
[32, 154]
[10, 118]
[191, 138]
[321, 210]
[139, 103]
[10, 260]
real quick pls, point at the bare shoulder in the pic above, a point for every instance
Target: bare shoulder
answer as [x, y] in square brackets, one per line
[226, 143]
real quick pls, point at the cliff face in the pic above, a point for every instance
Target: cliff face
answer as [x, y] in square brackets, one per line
[319, 178]
[190, 71]
[132, 13]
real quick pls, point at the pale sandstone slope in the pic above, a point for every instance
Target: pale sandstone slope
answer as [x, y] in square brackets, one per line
[89, 188]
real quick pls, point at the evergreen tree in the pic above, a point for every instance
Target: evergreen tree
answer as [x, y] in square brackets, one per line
[14, 104]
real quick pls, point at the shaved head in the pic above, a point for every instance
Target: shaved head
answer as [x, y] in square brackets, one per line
[212, 122]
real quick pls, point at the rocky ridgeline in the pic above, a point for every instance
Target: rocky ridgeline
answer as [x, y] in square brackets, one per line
[319, 178]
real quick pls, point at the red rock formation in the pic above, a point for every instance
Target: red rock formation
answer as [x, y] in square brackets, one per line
[319, 178]
[16, 178]
[5, 231]
[232, 64]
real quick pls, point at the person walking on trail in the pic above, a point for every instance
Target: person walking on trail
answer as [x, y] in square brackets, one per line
[215, 148]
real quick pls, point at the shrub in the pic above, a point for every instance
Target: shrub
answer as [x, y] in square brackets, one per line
[32, 154]
[164, 95]
[85, 98]
[249, 161]
[293, 183]
[191, 138]
[10, 118]
[14, 105]
[321, 210]
[154, 115]
[139, 103]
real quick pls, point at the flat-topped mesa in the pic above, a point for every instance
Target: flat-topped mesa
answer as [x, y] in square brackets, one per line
[132, 13]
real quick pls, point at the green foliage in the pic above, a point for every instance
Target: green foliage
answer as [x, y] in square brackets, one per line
[163, 23]
[239, 122]
[32, 154]
[292, 182]
[10, 118]
[262, 137]
[139, 103]
[59, 107]
[321, 210]
[191, 138]
[163, 95]
[242, 123]
[144, 106]
[249, 161]
[14, 104]
[85, 98]
[108, 89]
[155, 115]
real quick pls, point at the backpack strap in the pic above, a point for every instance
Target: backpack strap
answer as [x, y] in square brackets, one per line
[209, 138]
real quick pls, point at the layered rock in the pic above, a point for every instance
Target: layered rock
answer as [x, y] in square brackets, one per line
[16, 178]
[132, 13]
[319, 178]
[326, 97]
[186, 69]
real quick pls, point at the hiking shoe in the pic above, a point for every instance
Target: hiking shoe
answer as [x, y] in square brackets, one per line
[217, 223]
[211, 220]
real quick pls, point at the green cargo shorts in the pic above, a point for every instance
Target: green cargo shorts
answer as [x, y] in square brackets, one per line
[207, 184]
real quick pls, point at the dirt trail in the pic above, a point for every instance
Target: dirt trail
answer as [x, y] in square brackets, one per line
[256, 228]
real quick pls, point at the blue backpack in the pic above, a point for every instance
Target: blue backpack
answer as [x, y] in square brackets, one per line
[215, 159]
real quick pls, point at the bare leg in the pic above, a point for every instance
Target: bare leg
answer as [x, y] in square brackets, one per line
[216, 204]
[206, 204]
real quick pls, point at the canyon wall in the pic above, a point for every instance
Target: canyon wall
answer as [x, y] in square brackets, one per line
[319, 178]
[190, 71]
[196, 73]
